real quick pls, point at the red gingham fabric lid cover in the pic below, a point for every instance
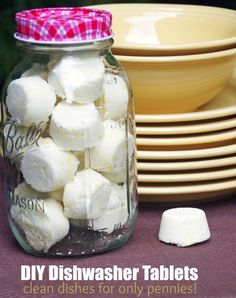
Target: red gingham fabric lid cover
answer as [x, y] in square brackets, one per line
[63, 24]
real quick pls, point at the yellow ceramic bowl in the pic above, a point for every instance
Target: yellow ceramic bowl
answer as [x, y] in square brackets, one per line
[177, 84]
[160, 29]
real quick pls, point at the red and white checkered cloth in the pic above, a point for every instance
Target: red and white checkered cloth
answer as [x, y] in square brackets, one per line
[64, 24]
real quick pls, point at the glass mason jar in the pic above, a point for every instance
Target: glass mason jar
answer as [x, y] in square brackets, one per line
[69, 146]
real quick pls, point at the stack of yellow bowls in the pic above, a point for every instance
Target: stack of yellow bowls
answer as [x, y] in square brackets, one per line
[180, 60]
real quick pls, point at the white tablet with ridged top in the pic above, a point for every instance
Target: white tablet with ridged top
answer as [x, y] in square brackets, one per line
[78, 78]
[75, 126]
[184, 226]
[86, 196]
[116, 97]
[43, 225]
[46, 167]
[30, 100]
[109, 155]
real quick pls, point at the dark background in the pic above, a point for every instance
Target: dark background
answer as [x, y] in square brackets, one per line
[8, 52]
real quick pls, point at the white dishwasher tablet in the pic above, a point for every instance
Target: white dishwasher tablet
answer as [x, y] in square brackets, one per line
[47, 167]
[116, 213]
[109, 155]
[43, 226]
[116, 97]
[75, 126]
[87, 196]
[184, 226]
[30, 100]
[36, 70]
[23, 190]
[78, 78]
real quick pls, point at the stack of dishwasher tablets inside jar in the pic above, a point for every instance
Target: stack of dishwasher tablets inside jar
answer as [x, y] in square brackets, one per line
[68, 135]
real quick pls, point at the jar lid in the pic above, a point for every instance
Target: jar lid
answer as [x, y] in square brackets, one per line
[63, 25]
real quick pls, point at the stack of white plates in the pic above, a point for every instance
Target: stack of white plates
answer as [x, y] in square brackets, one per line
[189, 156]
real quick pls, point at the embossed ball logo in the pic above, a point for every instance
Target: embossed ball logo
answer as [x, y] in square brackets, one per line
[17, 140]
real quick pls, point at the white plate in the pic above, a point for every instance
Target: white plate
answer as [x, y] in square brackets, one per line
[203, 191]
[224, 104]
[178, 141]
[187, 154]
[188, 188]
[186, 198]
[187, 128]
[186, 165]
[189, 177]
